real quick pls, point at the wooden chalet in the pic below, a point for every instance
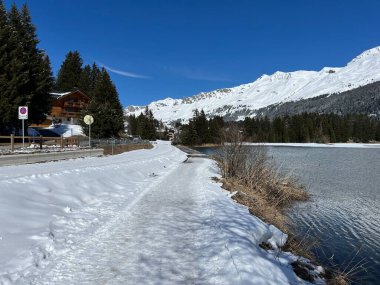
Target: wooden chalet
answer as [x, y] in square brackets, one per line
[65, 108]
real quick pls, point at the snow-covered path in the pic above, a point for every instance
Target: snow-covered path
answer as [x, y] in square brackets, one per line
[163, 238]
[168, 224]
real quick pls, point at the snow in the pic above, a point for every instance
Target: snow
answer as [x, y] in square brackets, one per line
[57, 95]
[279, 87]
[142, 217]
[67, 130]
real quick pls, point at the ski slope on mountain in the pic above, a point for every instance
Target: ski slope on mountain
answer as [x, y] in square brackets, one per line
[144, 217]
[279, 87]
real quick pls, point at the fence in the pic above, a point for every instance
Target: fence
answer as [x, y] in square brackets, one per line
[115, 141]
[12, 142]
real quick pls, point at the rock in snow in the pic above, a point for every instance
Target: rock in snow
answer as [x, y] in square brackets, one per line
[279, 87]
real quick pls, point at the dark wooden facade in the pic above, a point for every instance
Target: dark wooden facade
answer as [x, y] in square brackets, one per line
[67, 107]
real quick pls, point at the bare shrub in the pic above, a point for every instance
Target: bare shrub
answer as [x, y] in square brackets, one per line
[250, 167]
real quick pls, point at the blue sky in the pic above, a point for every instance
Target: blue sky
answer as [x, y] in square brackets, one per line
[177, 48]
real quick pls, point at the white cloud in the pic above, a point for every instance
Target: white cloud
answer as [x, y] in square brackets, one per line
[124, 73]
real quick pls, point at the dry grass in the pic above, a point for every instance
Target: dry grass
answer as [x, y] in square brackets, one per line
[257, 184]
[340, 279]
[301, 246]
[256, 203]
[117, 149]
[348, 273]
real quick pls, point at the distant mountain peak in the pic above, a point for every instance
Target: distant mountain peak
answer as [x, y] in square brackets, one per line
[367, 55]
[280, 87]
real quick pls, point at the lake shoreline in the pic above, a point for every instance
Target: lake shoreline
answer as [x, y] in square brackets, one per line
[327, 173]
[321, 145]
[307, 266]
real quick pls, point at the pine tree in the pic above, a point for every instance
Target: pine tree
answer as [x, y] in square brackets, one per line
[40, 78]
[106, 109]
[201, 127]
[40, 100]
[132, 125]
[25, 73]
[90, 75]
[17, 78]
[5, 104]
[70, 72]
[85, 83]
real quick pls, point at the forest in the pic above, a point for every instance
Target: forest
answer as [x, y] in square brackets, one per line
[303, 128]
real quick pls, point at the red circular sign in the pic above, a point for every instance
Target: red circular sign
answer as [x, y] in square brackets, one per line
[23, 110]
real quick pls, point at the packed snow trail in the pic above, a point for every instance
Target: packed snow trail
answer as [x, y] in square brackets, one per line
[178, 228]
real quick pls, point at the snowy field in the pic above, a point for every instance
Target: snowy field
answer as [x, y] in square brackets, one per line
[142, 217]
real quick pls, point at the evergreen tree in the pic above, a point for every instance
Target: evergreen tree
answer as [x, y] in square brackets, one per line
[90, 75]
[188, 134]
[25, 73]
[106, 109]
[69, 75]
[144, 125]
[215, 126]
[17, 69]
[40, 78]
[5, 61]
[132, 124]
[201, 127]
[85, 83]
[40, 99]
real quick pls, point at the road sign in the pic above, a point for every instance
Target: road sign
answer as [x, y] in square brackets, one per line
[23, 115]
[88, 119]
[23, 112]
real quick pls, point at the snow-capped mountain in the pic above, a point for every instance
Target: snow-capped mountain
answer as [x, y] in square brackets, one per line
[280, 87]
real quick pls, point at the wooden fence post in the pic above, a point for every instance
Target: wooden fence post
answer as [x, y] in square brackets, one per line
[12, 142]
[41, 139]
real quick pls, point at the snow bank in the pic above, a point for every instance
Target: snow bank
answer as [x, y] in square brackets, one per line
[67, 130]
[43, 207]
[244, 233]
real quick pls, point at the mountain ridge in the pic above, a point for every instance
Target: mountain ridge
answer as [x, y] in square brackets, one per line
[275, 89]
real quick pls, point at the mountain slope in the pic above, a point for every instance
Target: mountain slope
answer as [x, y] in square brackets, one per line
[362, 100]
[278, 88]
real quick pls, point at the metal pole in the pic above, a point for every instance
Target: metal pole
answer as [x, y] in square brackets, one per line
[12, 142]
[23, 132]
[89, 135]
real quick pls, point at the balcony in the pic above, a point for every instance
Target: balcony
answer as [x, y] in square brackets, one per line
[74, 104]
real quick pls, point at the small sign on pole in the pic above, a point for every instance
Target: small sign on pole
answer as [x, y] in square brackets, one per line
[88, 120]
[23, 115]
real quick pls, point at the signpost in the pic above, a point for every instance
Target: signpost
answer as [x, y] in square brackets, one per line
[23, 115]
[88, 120]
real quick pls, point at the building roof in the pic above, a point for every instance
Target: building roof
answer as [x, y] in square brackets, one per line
[57, 95]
